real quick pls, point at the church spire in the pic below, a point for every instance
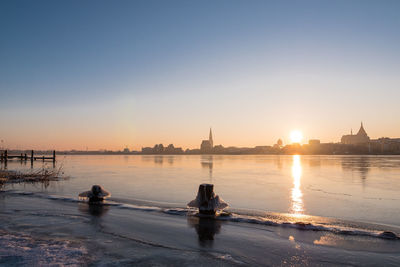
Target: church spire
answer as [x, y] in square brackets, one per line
[210, 138]
[362, 130]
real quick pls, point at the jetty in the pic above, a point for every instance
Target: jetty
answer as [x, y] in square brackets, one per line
[5, 156]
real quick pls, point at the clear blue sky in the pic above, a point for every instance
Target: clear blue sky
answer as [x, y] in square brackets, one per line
[105, 74]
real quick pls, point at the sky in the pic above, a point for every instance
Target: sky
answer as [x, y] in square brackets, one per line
[109, 74]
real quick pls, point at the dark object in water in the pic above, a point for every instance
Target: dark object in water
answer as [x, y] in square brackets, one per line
[96, 194]
[388, 235]
[206, 201]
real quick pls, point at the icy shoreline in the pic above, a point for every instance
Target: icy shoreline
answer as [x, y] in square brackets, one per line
[62, 232]
[23, 249]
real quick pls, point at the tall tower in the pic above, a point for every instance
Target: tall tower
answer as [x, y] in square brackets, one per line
[210, 138]
[362, 131]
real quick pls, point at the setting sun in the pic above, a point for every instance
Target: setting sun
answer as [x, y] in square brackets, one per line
[296, 136]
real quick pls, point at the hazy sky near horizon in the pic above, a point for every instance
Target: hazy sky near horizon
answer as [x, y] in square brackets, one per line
[105, 74]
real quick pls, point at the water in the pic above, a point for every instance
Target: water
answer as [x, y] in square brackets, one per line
[356, 188]
[301, 209]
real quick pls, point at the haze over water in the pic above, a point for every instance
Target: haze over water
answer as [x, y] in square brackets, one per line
[105, 75]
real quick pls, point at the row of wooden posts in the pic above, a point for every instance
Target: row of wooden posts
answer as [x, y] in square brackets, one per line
[4, 156]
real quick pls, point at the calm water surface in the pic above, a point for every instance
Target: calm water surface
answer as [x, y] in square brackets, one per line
[358, 188]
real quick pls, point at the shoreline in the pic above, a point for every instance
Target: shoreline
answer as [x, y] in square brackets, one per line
[107, 234]
[96, 153]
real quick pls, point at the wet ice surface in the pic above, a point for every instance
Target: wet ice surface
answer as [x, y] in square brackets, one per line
[23, 249]
[286, 210]
[357, 188]
[44, 231]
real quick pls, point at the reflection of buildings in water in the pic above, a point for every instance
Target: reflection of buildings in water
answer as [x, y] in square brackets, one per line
[278, 162]
[207, 163]
[206, 229]
[170, 160]
[158, 160]
[297, 206]
[314, 161]
[147, 158]
[360, 165]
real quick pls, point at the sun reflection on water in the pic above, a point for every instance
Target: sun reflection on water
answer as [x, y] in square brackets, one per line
[297, 206]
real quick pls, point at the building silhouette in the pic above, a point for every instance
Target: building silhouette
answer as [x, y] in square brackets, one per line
[207, 145]
[356, 139]
[351, 144]
[160, 149]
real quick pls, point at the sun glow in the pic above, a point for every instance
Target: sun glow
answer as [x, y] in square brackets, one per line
[296, 136]
[297, 207]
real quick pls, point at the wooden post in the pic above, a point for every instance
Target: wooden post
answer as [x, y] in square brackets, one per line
[31, 156]
[54, 156]
[43, 158]
[5, 155]
[26, 157]
[206, 192]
